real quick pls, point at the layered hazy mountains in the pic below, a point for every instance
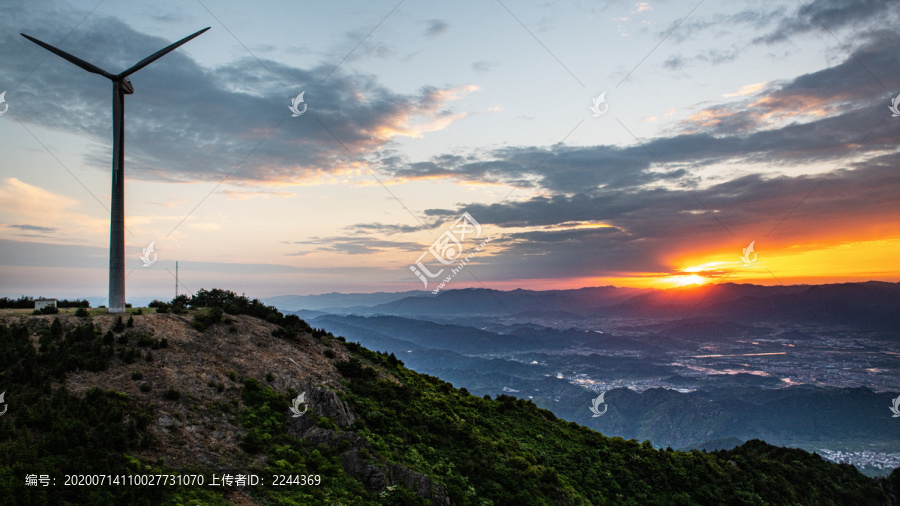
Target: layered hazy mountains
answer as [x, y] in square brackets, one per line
[810, 366]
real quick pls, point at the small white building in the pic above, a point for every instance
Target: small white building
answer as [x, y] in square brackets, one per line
[42, 303]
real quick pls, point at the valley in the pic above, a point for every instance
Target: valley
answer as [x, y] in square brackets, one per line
[682, 380]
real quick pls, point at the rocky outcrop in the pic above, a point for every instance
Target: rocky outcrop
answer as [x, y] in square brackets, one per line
[421, 484]
[357, 457]
[377, 477]
[325, 402]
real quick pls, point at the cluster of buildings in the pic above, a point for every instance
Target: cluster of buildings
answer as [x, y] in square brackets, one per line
[883, 461]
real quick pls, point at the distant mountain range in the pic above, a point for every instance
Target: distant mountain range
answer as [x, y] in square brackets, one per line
[335, 301]
[872, 304]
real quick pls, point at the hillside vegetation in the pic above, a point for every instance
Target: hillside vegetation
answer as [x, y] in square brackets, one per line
[206, 388]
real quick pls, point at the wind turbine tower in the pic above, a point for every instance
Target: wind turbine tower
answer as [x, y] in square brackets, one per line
[121, 87]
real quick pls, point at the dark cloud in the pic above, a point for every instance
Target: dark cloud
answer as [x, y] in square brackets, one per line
[34, 228]
[737, 203]
[483, 66]
[354, 245]
[779, 24]
[187, 122]
[764, 16]
[168, 17]
[815, 117]
[565, 235]
[674, 62]
[830, 15]
[436, 27]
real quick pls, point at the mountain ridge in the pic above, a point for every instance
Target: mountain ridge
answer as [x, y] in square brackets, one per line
[858, 304]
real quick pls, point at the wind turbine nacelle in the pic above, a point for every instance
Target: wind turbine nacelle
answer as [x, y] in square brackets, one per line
[127, 87]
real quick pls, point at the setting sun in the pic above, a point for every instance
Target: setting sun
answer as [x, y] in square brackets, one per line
[692, 279]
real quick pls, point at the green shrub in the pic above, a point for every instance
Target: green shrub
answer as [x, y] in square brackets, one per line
[136, 375]
[56, 330]
[353, 369]
[144, 340]
[161, 307]
[206, 319]
[327, 423]
[82, 312]
[129, 355]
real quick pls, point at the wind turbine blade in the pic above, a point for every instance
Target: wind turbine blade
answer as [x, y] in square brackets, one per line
[153, 57]
[73, 59]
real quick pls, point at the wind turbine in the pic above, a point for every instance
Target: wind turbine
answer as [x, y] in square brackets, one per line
[121, 87]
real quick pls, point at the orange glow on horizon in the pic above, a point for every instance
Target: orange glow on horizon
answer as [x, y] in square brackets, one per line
[851, 261]
[859, 261]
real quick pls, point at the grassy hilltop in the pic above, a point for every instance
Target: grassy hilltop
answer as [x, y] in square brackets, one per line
[205, 386]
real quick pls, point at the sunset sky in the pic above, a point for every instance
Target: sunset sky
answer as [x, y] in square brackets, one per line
[751, 122]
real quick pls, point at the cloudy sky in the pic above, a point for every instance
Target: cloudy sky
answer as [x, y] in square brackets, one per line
[719, 126]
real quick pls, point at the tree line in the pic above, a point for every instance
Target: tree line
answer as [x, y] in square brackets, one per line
[25, 302]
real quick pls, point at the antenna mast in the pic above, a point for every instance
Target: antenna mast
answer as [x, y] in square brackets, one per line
[176, 279]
